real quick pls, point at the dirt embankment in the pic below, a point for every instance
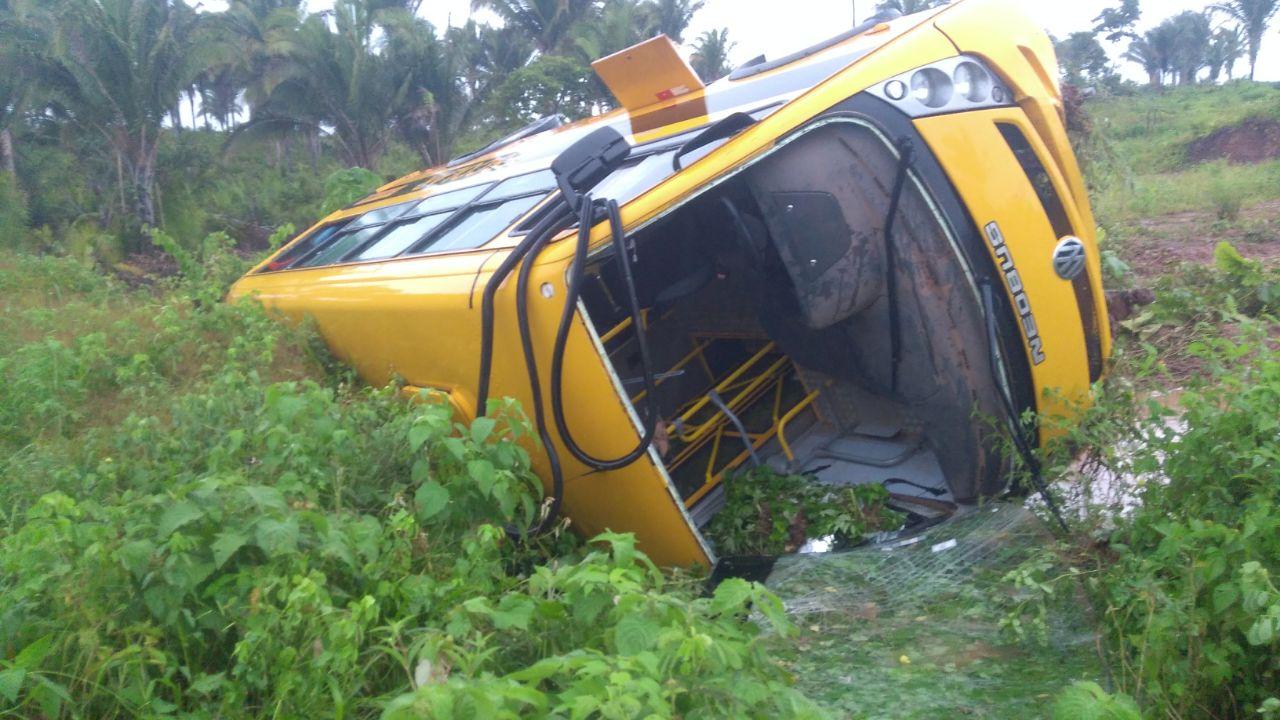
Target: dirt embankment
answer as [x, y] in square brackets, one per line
[1249, 142]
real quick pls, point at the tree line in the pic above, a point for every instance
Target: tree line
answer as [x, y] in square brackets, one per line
[104, 104]
[1184, 49]
[112, 78]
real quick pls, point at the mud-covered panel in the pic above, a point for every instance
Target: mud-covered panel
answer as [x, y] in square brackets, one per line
[840, 323]
[813, 196]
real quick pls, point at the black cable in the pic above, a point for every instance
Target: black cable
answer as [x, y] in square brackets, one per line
[579, 167]
[552, 222]
[906, 156]
[535, 384]
[549, 225]
[1020, 442]
[572, 294]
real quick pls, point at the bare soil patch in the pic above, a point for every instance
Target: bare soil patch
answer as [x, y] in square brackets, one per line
[1156, 246]
[1249, 142]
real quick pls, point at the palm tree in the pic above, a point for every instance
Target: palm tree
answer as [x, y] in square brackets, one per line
[1192, 36]
[711, 55]
[437, 102]
[1255, 17]
[546, 22]
[1227, 48]
[1163, 51]
[619, 25]
[487, 55]
[366, 71]
[259, 30]
[117, 68]
[12, 97]
[23, 42]
[672, 17]
[908, 7]
[1147, 53]
[219, 91]
[13, 91]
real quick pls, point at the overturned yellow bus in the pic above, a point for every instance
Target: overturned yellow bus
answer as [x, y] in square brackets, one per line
[840, 262]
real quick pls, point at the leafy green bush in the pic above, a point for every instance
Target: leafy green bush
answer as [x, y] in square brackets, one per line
[209, 269]
[344, 187]
[290, 550]
[612, 641]
[1088, 701]
[1254, 289]
[1226, 196]
[199, 519]
[77, 350]
[769, 513]
[1233, 287]
[1184, 583]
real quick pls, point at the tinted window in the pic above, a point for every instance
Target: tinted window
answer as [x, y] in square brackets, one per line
[465, 219]
[481, 225]
[402, 236]
[541, 181]
[380, 216]
[304, 246]
[340, 246]
[449, 200]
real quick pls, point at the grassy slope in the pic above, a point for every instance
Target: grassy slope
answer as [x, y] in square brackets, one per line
[1137, 161]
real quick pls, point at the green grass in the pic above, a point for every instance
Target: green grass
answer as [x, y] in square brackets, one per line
[1208, 187]
[1150, 130]
[1136, 160]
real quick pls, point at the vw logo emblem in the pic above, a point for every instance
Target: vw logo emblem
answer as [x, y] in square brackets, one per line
[1069, 258]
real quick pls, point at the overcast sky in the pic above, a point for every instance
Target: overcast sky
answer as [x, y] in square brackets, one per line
[776, 27]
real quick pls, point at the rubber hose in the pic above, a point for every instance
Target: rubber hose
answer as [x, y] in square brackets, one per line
[535, 384]
[572, 294]
[548, 225]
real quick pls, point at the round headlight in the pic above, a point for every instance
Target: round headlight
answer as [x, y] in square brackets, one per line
[895, 89]
[932, 87]
[972, 82]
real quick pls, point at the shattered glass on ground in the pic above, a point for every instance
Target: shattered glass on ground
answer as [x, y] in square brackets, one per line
[911, 629]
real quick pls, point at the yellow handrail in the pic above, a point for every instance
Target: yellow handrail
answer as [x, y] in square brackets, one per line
[791, 415]
[770, 373]
[620, 327]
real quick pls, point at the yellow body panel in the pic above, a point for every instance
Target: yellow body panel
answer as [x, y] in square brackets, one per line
[648, 73]
[1026, 59]
[972, 142]
[418, 317]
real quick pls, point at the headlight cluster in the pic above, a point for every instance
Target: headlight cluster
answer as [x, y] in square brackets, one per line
[952, 85]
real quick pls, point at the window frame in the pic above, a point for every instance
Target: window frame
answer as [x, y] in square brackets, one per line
[421, 247]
